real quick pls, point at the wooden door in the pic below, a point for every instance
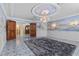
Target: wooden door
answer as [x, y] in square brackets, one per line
[11, 29]
[32, 29]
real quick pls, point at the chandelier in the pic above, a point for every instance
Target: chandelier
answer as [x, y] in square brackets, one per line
[43, 11]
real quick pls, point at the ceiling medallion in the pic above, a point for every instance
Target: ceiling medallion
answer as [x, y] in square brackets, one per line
[44, 11]
[49, 9]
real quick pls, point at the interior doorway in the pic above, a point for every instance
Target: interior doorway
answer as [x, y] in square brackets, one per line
[32, 29]
[27, 29]
[10, 29]
[17, 30]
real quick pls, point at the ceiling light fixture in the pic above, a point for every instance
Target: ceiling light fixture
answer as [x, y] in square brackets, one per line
[43, 11]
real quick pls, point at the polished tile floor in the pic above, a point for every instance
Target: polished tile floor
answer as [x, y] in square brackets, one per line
[18, 48]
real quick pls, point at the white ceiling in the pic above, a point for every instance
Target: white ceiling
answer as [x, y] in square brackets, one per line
[23, 10]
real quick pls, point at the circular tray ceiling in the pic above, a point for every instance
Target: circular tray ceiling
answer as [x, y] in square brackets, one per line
[50, 9]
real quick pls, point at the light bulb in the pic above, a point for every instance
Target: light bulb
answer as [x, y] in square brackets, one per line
[43, 19]
[17, 26]
[54, 25]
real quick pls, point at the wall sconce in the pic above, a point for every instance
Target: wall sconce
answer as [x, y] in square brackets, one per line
[54, 25]
[26, 28]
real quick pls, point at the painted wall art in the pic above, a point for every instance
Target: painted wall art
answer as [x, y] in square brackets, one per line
[67, 24]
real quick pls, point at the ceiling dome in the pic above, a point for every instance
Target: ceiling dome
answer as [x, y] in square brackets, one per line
[48, 9]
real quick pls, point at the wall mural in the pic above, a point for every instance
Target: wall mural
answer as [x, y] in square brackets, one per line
[66, 24]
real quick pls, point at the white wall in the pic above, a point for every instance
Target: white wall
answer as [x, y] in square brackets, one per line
[65, 35]
[41, 33]
[2, 29]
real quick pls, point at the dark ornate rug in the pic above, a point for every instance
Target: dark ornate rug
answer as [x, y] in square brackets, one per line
[50, 47]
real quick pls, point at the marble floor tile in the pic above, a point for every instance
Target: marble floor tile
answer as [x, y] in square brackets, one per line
[16, 48]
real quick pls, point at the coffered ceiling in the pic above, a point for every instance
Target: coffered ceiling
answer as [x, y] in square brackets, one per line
[23, 10]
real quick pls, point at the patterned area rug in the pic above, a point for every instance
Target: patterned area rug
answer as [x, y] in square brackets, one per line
[50, 47]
